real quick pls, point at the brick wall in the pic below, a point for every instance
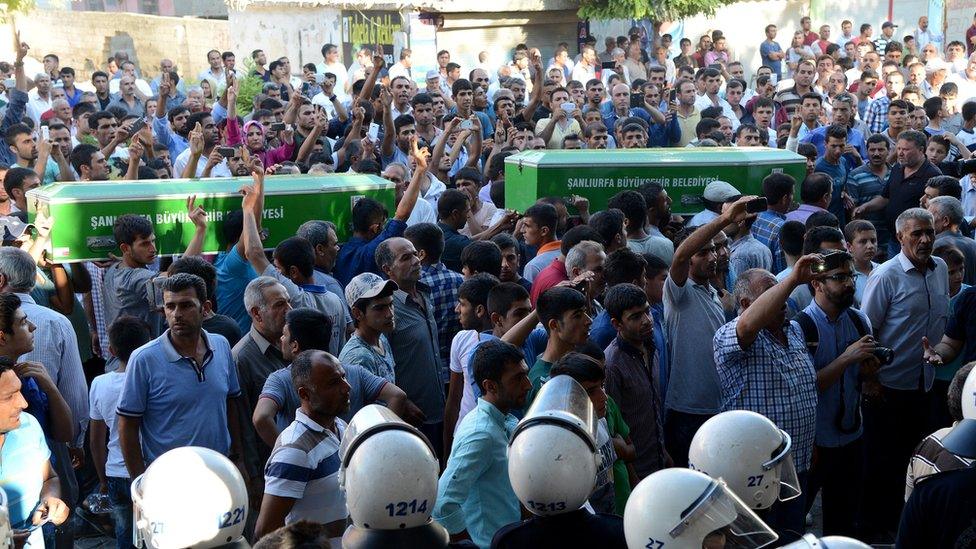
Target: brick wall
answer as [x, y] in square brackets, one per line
[84, 40]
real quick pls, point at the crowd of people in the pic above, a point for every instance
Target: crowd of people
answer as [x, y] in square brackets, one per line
[826, 324]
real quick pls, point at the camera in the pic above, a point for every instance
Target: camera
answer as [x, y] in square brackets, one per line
[884, 355]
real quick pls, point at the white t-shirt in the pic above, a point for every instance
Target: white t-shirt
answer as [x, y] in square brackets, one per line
[464, 342]
[484, 218]
[103, 398]
[422, 212]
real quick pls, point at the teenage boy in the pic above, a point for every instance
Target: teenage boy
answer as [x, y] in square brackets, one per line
[862, 243]
[370, 299]
[563, 314]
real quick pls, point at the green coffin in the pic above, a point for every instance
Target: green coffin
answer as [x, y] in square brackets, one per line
[600, 174]
[84, 213]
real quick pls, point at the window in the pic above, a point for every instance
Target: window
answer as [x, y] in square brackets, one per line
[149, 6]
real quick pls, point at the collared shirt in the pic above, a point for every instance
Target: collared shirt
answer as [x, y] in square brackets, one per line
[220, 170]
[802, 212]
[904, 305]
[317, 297]
[304, 466]
[444, 284]
[22, 459]
[766, 229]
[862, 186]
[418, 362]
[692, 314]
[774, 380]
[818, 138]
[877, 115]
[838, 175]
[904, 192]
[358, 351]
[543, 257]
[56, 347]
[180, 402]
[548, 278]
[632, 382]
[137, 108]
[474, 492]
[838, 407]
[359, 256]
[931, 457]
[256, 358]
[164, 134]
[748, 253]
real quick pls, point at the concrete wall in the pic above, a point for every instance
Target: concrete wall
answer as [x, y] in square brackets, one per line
[296, 32]
[94, 36]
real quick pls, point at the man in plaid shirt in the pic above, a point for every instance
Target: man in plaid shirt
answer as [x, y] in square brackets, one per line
[778, 190]
[877, 113]
[443, 283]
[763, 366]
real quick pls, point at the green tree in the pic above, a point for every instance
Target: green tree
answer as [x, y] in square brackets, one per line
[8, 8]
[655, 10]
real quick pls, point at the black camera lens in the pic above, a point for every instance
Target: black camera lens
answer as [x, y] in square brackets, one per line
[884, 355]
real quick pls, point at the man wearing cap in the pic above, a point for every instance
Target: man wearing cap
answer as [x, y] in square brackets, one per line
[716, 193]
[936, 71]
[370, 299]
[887, 32]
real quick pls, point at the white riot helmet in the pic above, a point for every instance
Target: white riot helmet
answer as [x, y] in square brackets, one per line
[811, 541]
[553, 457]
[961, 440]
[750, 454]
[6, 531]
[389, 472]
[189, 497]
[684, 509]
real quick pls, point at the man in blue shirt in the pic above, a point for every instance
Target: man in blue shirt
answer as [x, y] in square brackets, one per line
[31, 485]
[180, 389]
[474, 496]
[843, 110]
[844, 343]
[771, 53]
[370, 226]
[834, 164]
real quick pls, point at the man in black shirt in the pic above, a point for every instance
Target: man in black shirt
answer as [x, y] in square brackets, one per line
[906, 183]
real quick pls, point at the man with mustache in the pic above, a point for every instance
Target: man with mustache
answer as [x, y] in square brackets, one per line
[841, 356]
[906, 299]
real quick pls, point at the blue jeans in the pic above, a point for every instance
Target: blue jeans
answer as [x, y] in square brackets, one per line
[121, 499]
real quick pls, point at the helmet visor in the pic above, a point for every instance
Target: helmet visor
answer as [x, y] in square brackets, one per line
[789, 482]
[732, 523]
[563, 401]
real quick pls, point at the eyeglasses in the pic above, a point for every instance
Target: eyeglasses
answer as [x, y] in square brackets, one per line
[842, 277]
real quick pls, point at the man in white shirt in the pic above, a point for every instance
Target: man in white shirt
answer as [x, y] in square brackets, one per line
[585, 70]
[40, 99]
[402, 67]
[713, 81]
[332, 64]
[216, 70]
[966, 80]
[923, 35]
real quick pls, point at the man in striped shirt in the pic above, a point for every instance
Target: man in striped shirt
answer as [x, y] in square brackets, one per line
[301, 480]
[930, 456]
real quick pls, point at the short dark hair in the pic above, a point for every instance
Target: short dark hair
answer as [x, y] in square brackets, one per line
[366, 212]
[194, 264]
[504, 241]
[607, 223]
[450, 201]
[490, 358]
[622, 297]
[543, 215]
[126, 334]
[460, 85]
[15, 178]
[623, 265]
[968, 110]
[82, 156]
[632, 204]
[301, 367]
[129, 227]
[857, 226]
[556, 301]
[482, 256]
[186, 281]
[468, 173]
[815, 237]
[297, 252]
[502, 296]
[310, 328]
[932, 106]
[578, 366]
[96, 74]
[576, 235]
[476, 289]
[879, 138]
[655, 265]
[422, 98]
[775, 186]
[946, 185]
[403, 120]
[915, 137]
[952, 255]
[233, 226]
[955, 392]
[822, 219]
[837, 131]
[15, 130]
[428, 238]
[814, 186]
[791, 236]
